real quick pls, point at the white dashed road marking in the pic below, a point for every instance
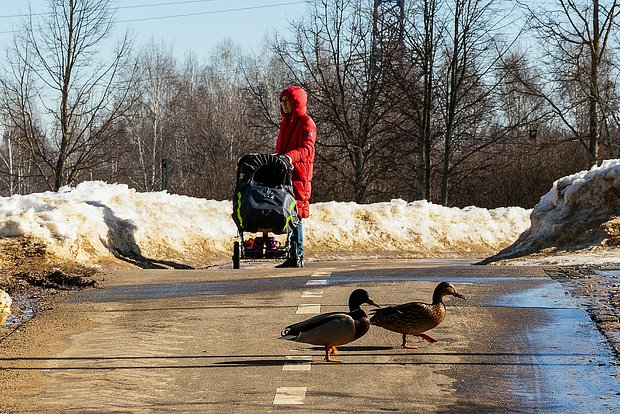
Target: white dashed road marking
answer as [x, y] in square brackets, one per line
[312, 294]
[290, 396]
[308, 308]
[324, 274]
[297, 363]
[297, 395]
[316, 282]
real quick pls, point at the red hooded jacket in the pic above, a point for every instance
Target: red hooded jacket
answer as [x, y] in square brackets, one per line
[296, 139]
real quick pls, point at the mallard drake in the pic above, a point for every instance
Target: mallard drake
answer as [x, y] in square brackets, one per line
[333, 329]
[415, 318]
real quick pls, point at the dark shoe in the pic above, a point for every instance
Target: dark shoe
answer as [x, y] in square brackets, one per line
[299, 262]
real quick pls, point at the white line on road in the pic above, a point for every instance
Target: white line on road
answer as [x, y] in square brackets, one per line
[312, 294]
[290, 396]
[324, 274]
[308, 308]
[297, 363]
[316, 282]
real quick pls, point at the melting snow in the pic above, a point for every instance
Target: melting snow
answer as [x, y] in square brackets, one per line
[96, 222]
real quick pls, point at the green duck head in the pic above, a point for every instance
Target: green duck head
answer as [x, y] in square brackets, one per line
[444, 289]
[358, 297]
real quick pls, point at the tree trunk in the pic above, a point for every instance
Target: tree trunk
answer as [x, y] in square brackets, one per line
[65, 121]
[594, 130]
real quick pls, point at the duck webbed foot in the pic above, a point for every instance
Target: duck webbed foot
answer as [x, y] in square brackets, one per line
[406, 345]
[333, 350]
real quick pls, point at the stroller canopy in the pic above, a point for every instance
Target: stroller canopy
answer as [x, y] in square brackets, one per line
[266, 170]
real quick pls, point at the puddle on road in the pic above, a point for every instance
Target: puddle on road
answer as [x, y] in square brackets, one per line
[546, 295]
[550, 294]
[575, 366]
[23, 309]
[162, 291]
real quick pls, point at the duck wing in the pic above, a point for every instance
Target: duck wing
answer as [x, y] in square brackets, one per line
[411, 318]
[328, 329]
[398, 311]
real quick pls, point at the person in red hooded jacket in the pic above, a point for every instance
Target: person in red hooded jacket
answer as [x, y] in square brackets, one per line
[296, 139]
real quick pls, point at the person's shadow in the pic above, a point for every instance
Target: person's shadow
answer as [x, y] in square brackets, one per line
[122, 243]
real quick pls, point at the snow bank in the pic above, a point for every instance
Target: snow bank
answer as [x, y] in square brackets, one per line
[411, 229]
[97, 222]
[581, 211]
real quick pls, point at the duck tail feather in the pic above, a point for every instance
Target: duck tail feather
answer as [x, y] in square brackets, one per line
[288, 335]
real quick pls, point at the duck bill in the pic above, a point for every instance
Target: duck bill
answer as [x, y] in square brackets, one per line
[372, 302]
[458, 295]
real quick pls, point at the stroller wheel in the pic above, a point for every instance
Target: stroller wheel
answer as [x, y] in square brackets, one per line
[236, 255]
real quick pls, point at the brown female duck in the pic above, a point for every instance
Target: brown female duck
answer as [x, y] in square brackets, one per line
[334, 328]
[415, 318]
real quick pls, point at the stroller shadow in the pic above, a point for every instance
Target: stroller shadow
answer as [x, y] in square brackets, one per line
[122, 243]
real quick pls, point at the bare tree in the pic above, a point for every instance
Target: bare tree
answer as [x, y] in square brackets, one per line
[154, 92]
[73, 89]
[576, 39]
[15, 161]
[20, 123]
[414, 75]
[471, 53]
[224, 121]
[427, 49]
[265, 76]
[331, 56]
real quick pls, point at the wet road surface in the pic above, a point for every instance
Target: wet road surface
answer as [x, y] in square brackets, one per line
[206, 342]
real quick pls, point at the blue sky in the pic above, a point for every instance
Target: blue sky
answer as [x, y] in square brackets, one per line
[184, 25]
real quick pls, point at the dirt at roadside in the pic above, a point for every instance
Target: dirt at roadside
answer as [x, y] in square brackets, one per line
[599, 295]
[33, 278]
[25, 265]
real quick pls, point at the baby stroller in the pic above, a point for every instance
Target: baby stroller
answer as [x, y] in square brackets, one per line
[264, 203]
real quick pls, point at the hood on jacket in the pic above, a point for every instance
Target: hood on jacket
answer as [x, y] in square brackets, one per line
[298, 98]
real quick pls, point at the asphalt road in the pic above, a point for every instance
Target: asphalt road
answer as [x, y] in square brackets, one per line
[205, 341]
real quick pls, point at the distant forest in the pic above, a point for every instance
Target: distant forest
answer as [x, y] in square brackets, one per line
[463, 102]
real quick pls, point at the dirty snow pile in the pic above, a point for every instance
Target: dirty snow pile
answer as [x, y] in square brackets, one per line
[416, 229]
[578, 220]
[96, 222]
[5, 306]
[99, 223]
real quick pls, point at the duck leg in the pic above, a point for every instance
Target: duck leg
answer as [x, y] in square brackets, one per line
[328, 357]
[333, 350]
[426, 337]
[406, 345]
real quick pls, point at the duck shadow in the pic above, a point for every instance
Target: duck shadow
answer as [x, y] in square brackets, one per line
[122, 242]
[356, 348]
[257, 363]
[280, 362]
